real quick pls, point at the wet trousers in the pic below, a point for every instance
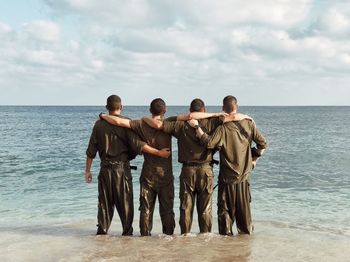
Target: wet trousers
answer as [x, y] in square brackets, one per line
[115, 190]
[196, 183]
[234, 204]
[148, 196]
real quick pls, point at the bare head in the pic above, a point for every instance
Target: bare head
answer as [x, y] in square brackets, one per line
[157, 107]
[229, 104]
[114, 103]
[197, 105]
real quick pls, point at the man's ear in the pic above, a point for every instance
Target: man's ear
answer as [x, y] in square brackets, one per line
[121, 107]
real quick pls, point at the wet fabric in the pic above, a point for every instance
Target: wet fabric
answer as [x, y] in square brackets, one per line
[234, 206]
[112, 142]
[155, 138]
[189, 148]
[196, 186]
[235, 148]
[196, 179]
[148, 196]
[156, 180]
[115, 146]
[115, 191]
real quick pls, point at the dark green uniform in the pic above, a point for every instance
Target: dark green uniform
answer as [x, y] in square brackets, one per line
[156, 180]
[115, 146]
[234, 140]
[196, 179]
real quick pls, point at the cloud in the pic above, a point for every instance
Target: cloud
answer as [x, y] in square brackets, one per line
[165, 13]
[43, 30]
[163, 47]
[336, 21]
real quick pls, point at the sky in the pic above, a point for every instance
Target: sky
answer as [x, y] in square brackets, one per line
[266, 53]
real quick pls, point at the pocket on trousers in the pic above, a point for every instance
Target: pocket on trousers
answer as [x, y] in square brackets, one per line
[249, 194]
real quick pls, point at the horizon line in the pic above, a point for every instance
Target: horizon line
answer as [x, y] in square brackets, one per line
[62, 105]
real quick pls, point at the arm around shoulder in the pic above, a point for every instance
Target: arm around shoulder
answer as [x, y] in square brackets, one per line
[154, 123]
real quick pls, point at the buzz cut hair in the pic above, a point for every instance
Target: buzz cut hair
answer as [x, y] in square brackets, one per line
[157, 107]
[229, 104]
[114, 102]
[197, 105]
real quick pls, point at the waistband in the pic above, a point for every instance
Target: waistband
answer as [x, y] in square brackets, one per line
[195, 164]
[114, 163]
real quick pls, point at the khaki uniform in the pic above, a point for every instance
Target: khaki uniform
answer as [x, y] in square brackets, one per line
[115, 146]
[156, 180]
[235, 166]
[196, 178]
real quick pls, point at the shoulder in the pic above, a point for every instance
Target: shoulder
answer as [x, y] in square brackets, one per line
[124, 117]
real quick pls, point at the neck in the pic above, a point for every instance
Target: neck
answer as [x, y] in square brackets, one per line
[159, 117]
[116, 112]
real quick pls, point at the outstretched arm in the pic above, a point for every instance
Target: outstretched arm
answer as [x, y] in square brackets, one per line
[236, 117]
[117, 121]
[199, 115]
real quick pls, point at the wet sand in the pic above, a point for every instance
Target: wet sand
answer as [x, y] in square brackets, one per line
[77, 242]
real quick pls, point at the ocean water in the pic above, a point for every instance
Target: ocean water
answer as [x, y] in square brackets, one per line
[300, 191]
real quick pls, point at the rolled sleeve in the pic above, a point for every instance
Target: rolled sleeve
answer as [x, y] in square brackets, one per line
[169, 127]
[92, 149]
[258, 138]
[204, 139]
[213, 123]
[135, 125]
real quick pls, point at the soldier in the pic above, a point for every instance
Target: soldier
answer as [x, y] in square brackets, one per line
[196, 179]
[115, 146]
[236, 162]
[157, 174]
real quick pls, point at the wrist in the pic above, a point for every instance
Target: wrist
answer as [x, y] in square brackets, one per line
[196, 126]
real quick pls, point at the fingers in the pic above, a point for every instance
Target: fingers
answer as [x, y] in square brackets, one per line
[88, 178]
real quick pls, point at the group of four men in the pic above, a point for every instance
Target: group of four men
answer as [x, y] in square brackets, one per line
[199, 134]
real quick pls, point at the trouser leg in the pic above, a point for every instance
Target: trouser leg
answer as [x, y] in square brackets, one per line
[243, 212]
[204, 188]
[124, 199]
[226, 209]
[105, 201]
[147, 201]
[166, 208]
[186, 199]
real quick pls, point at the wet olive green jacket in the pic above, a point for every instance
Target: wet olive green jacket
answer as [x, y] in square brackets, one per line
[234, 146]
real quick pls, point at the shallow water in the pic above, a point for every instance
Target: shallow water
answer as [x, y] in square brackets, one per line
[300, 191]
[76, 242]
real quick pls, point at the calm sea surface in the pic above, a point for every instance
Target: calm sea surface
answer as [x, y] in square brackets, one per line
[302, 183]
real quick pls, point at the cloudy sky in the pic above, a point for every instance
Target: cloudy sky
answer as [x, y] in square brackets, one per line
[271, 52]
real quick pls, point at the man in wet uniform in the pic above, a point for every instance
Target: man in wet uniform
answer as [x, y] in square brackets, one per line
[196, 179]
[157, 174]
[236, 162]
[116, 146]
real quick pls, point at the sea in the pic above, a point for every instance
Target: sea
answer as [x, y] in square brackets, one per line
[300, 191]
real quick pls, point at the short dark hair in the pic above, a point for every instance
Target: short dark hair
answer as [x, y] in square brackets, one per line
[157, 107]
[229, 104]
[197, 105]
[114, 103]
